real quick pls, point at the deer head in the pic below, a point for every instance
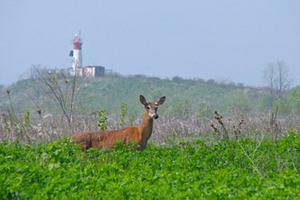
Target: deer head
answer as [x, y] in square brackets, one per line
[151, 107]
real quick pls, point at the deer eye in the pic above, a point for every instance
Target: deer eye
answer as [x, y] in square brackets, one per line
[148, 107]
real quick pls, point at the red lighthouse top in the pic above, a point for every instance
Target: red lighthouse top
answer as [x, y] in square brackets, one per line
[77, 42]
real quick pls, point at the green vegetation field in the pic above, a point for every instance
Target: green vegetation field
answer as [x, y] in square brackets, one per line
[243, 169]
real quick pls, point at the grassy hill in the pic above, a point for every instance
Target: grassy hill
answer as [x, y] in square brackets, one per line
[108, 93]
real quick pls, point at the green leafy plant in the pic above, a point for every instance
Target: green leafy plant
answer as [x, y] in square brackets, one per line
[123, 112]
[102, 120]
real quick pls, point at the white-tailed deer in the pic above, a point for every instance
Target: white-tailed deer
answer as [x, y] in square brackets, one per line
[140, 134]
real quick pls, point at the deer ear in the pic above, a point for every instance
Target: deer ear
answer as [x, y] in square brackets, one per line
[161, 100]
[143, 100]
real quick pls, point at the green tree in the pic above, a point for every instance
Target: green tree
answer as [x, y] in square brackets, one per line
[282, 105]
[204, 111]
[293, 99]
[240, 100]
[265, 103]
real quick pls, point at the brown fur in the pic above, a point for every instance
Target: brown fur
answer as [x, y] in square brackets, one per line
[106, 140]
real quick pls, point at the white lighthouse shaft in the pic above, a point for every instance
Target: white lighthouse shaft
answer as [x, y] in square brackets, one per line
[77, 59]
[77, 55]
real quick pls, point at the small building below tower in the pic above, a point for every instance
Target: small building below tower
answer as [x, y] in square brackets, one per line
[90, 71]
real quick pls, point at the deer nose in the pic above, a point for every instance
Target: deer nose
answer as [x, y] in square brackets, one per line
[155, 116]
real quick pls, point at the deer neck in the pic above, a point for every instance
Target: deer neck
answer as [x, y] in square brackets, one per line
[145, 128]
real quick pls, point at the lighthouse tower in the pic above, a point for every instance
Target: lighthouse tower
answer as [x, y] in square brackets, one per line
[77, 55]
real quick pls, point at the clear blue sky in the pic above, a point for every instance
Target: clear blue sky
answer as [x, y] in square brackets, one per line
[232, 39]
